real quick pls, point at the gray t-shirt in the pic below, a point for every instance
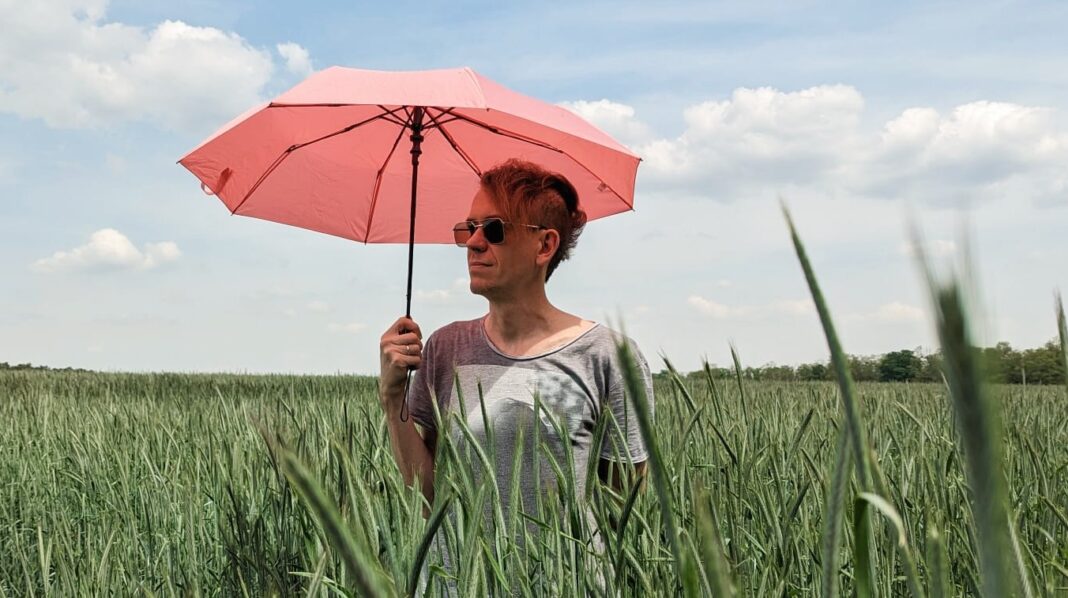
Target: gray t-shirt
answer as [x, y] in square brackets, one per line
[574, 384]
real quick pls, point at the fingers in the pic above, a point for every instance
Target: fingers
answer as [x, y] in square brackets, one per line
[406, 324]
[401, 349]
[398, 360]
[408, 343]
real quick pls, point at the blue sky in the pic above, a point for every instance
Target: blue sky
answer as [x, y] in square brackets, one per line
[855, 113]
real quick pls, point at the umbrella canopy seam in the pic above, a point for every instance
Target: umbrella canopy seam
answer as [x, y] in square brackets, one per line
[378, 185]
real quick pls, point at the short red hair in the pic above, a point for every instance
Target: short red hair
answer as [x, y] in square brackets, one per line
[530, 194]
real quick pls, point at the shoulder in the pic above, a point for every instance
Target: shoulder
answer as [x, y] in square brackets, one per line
[606, 338]
[458, 333]
[602, 344]
[457, 328]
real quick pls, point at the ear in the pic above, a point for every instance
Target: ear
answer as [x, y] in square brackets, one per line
[547, 246]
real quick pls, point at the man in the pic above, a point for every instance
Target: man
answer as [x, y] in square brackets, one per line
[522, 223]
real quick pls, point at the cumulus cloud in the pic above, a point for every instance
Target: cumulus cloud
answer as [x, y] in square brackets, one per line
[722, 311]
[613, 118]
[894, 312]
[756, 138]
[459, 288]
[760, 142]
[979, 151]
[109, 249]
[63, 63]
[350, 328]
[899, 312]
[298, 61]
[709, 307]
[935, 248]
[318, 306]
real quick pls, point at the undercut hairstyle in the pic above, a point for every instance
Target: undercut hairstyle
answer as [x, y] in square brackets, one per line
[529, 194]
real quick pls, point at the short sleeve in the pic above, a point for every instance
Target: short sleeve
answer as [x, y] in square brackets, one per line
[421, 390]
[621, 405]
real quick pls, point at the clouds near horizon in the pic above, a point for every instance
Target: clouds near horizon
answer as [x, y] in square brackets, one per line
[109, 249]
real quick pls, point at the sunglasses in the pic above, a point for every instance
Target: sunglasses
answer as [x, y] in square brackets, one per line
[492, 229]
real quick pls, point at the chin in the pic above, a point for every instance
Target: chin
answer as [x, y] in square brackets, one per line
[482, 289]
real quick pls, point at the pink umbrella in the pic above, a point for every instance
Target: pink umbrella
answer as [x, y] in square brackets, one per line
[324, 155]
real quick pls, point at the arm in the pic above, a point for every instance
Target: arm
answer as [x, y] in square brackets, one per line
[400, 349]
[620, 475]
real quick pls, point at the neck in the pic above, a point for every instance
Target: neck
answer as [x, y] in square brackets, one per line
[522, 316]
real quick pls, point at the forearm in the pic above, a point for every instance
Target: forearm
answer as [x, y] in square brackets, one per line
[410, 450]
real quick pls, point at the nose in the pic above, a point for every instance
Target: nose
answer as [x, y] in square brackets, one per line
[477, 241]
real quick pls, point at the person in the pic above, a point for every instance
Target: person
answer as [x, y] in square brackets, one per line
[523, 362]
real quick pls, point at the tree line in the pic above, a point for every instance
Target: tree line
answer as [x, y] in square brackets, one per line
[1003, 365]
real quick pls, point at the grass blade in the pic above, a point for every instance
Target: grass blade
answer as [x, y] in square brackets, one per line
[979, 426]
[660, 474]
[1062, 332]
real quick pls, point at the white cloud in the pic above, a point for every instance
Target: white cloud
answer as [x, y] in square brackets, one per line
[64, 64]
[762, 142]
[109, 249]
[718, 310]
[899, 312]
[894, 312]
[935, 248]
[350, 328]
[297, 59]
[979, 151]
[798, 307]
[756, 138]
[613, 118]
[459, 288]
[318, 306]
[709, 307]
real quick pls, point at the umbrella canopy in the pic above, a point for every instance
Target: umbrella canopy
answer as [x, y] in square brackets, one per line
[331, 153]
[340, 153]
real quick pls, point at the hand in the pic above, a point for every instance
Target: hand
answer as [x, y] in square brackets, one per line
[400, 349]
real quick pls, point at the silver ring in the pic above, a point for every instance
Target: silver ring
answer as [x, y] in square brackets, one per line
[407, 349]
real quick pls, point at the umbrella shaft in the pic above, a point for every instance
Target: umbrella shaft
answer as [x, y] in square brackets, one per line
[417, 149]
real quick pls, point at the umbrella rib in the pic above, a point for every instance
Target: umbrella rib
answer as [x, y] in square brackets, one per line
[443, 121]
[289, 150]
[503, 132]
[452, 142]
[378, 184]
[383, 116]
[524, 138]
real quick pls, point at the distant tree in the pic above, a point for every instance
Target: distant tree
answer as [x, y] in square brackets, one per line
[864, 368]
[931, 371]
[1044, 365]
[812, 371]
[780, 373]
[1001, 363]
[900, 366]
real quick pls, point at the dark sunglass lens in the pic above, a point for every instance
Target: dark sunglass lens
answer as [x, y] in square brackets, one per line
[494, 231]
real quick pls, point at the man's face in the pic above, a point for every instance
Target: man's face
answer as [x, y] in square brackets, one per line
[503, 269]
